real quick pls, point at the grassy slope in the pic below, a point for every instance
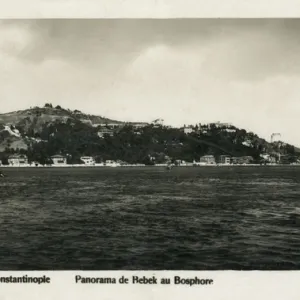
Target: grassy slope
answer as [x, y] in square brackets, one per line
[35, 118]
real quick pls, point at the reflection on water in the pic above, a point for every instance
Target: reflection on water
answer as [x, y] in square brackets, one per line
[148, 218]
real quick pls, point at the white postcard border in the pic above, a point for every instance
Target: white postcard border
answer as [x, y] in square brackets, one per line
[149, 9]
[227, 285]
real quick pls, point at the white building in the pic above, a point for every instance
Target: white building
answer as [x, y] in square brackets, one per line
[59, 160]
[225, 159]
[229, 130]
[139, 125]
[112, 163]
[88, 160]
[208, 159]
[17, 160]
[247, 143]
[105, 131]
[188, 130]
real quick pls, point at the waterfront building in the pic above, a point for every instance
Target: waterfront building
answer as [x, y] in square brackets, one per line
[247, 159]
[208, 159]
[112, 163]
[236, 160]
[242, 160]
[108, 162]
[180, 162]
[59, 160]
[18, 160]
[88, 160]
[225, 159]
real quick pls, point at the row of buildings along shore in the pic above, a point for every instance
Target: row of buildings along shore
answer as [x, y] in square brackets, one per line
[18, 160]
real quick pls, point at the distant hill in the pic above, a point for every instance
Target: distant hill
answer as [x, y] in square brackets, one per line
[42, 132]
[38, 116]
[17, 126]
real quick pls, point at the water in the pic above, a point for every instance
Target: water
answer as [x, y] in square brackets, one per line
[206, 218]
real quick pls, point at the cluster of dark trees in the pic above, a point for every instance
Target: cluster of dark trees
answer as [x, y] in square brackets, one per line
[49, 105]
[145, 145]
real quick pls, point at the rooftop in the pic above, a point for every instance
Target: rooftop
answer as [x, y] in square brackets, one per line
[57, 156]
[16, 156]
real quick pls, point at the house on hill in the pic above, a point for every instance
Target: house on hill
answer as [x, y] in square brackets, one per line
[105, 131]
[187, 129]
[59, 160]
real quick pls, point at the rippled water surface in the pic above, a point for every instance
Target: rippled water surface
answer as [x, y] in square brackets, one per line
[202, 218]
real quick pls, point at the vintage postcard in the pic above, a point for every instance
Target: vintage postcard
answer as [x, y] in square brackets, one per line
[156, 157]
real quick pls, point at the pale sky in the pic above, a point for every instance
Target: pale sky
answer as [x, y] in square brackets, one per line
[246, 72]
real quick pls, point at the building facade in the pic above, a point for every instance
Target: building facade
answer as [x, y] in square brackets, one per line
[88, 160]
[242, 160]
[17, 160]
[225, 159]
[105, 131]
[139, 125]
[208, 159]
[188, 130]
[59, 160]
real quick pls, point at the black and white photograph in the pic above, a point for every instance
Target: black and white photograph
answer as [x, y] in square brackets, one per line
[149, 144]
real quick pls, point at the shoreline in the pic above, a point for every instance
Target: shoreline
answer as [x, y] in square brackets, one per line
[148, 166]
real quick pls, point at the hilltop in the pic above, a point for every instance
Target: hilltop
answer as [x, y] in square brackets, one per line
[35, 117]
[18, 127]
[42, 132]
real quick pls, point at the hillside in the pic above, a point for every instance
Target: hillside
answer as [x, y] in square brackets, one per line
[36, 117]
[16, 128]
[42, 132]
